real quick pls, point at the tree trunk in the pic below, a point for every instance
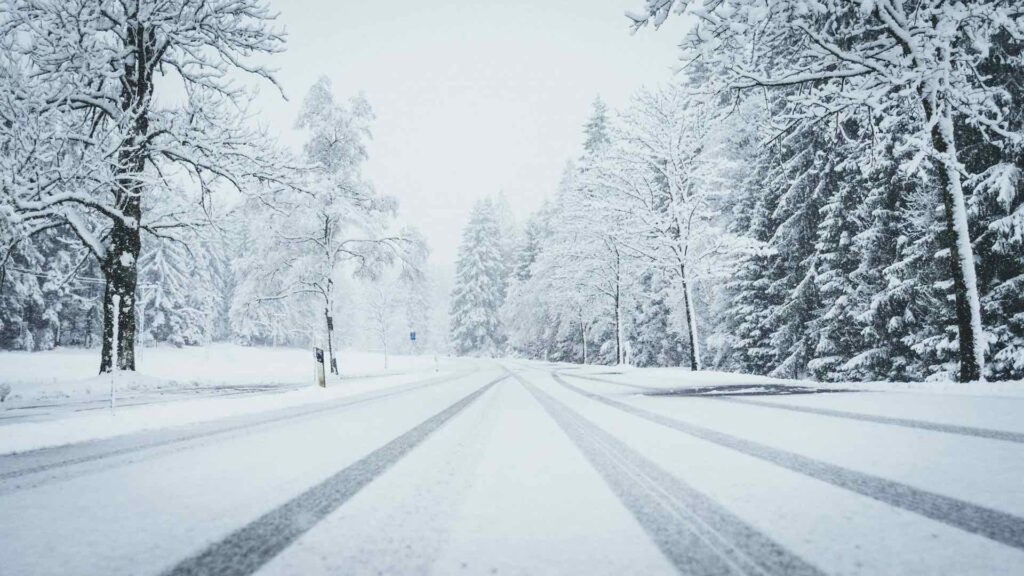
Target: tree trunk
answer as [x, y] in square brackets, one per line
[618, 326]
[121, 272]
[691, 321]
[329, 323]
[583, 336]
[961, 252]
[120, 263]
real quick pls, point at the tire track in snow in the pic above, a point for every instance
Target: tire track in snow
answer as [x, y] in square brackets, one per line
[398, 526]
[698, 535]
[986, 522]
[19, 465]
[247, 549]
[986, 433]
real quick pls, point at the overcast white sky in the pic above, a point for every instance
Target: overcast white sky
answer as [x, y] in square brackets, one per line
[471, 96]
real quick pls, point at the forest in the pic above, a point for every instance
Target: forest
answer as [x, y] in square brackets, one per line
[825, 190]
[143, 204]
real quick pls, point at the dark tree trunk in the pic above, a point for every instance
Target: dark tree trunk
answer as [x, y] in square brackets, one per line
[121, 274]
[120, 263]
[618, 326]
[329, 323]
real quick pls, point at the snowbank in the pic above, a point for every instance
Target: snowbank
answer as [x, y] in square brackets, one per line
[71, 372]
[97, 424]
[671, 378]
[60, 391]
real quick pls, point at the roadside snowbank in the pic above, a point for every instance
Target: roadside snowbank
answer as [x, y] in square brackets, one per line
[670, 378]
[97, 424]
[57, 398]
[71, 372]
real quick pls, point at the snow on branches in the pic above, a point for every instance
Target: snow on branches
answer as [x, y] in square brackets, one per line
[834, 59]
[105, 104]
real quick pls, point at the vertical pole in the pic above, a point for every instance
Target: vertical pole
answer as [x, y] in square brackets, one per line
[321, 378]
[141, 335]
[330, 339]
[583, 335]
[115, 350]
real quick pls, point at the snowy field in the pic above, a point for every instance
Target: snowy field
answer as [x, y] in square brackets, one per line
[71, 372]
[56, 398]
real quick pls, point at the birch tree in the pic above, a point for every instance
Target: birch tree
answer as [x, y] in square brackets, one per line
[585, 271]
[335, 222]
[666, 174]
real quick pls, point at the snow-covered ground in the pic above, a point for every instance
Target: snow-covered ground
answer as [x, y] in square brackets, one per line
[684, 378]
[70, 372]
[515, 467]
[56, 398]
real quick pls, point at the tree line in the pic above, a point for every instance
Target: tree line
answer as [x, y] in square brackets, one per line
[829, 190]
[141, 202]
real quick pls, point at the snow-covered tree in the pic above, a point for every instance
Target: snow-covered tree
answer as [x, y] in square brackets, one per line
[304, 239]
[104, 102]
[480, 278]
[583, 275]
[382, 307]
[653, 336]
[831, 58]
[665, 171]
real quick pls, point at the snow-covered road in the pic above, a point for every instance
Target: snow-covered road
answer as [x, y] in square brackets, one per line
[528, 468]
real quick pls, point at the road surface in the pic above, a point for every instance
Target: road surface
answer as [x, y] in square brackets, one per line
[529, 468]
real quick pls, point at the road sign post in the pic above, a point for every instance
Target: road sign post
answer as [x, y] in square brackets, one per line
[321, 378]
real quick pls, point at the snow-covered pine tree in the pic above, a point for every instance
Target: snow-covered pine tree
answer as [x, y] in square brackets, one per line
[796, 286]
[176, 293]
[996, 208]
[479, 280]
[49, 290]
[843, 56]
[893, 294]
[653, 335]
[530, 245]
[596, 132]
[523, 314]
[835, 260]
[592, 237]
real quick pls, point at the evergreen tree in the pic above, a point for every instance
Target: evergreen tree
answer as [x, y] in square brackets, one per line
[479, 281]
[176, 293]
[654, 339]
[595, 131]
[835, 327]
[996, 208]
